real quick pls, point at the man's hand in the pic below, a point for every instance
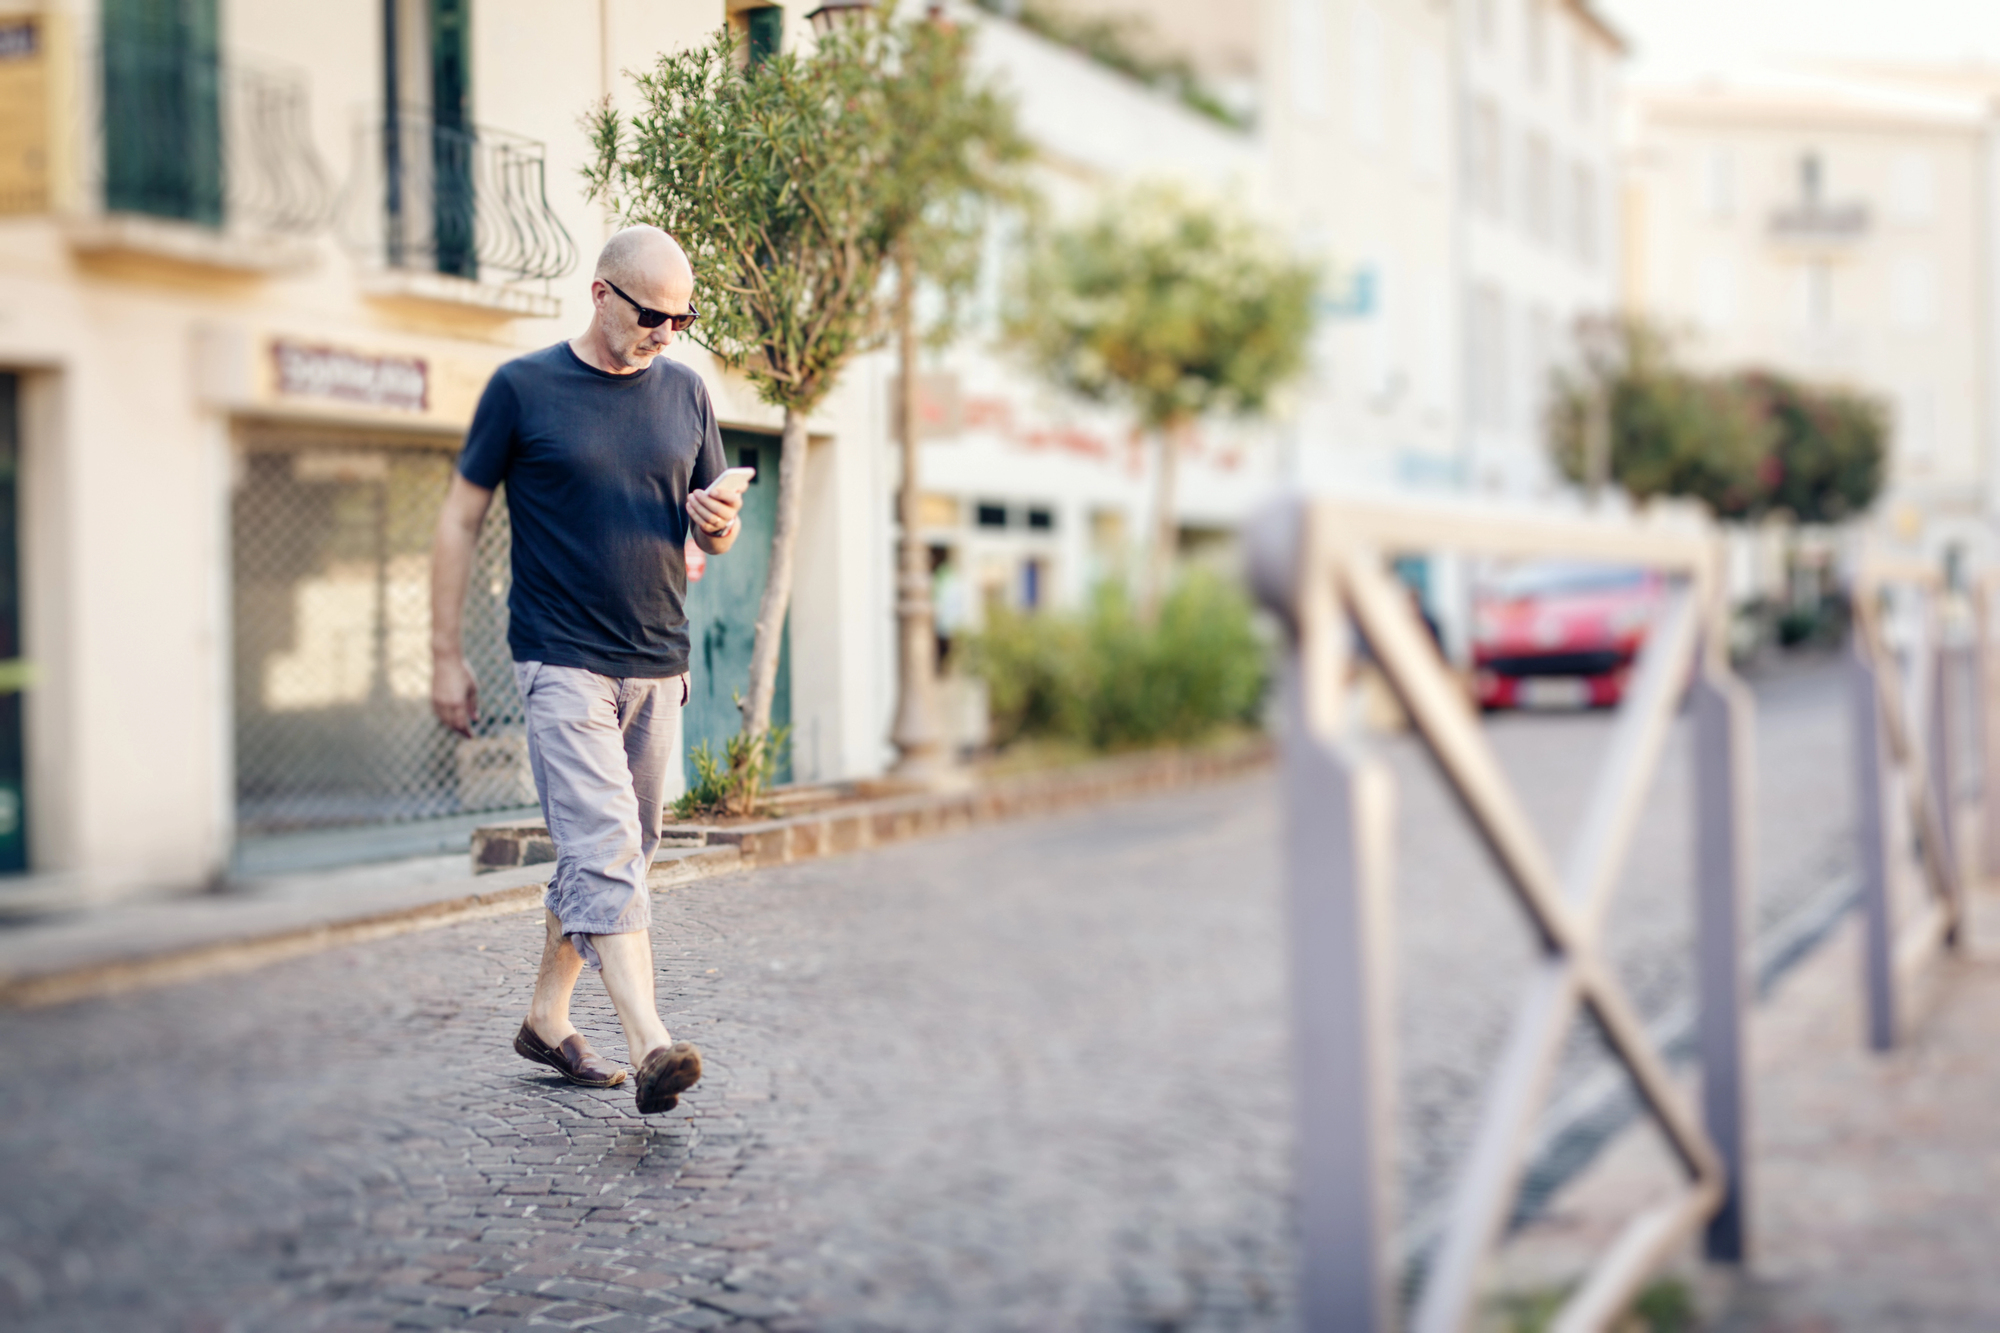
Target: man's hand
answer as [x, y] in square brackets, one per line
[454, 694]
[711, 516]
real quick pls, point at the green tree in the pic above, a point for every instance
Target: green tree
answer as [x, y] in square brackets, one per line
[1175, 309]
[1668, 431]
[1831, 446]
[795, 185]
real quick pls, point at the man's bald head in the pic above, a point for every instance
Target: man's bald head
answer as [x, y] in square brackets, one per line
[644, 256]
[652, 270]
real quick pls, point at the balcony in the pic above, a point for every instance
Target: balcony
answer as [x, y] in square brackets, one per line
[199, 162]
[454, 214]
[1819, 225]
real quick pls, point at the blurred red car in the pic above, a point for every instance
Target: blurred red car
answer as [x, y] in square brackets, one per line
[1549, 634]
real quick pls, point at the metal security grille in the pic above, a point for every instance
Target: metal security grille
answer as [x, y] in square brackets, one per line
[331, 565]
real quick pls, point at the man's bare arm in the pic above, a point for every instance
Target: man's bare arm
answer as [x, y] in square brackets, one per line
[454, 693]
[713, 521]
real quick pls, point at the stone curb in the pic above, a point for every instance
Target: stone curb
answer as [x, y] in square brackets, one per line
[745, 847]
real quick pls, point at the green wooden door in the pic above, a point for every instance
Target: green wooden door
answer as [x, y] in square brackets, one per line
[163, 109]
[722, 613]
[13, 808]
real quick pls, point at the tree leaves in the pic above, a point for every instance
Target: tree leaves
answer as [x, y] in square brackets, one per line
[792, 183]
[1170, 306]
[1744, 444]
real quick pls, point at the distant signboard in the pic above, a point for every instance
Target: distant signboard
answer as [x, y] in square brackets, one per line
[24, 117]
[398, 383]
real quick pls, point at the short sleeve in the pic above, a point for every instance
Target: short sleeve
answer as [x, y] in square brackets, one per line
[489, 442]
[709, 460]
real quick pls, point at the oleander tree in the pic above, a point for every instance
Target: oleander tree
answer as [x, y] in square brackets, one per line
[800, 185]
[1831, 449]
[1664, 429]
[1175, 309]
[1744, 443]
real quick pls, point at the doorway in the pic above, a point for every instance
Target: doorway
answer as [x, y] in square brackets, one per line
[722, 615]
[13, 773]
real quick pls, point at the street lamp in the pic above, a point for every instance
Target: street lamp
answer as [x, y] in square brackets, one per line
[834, 14]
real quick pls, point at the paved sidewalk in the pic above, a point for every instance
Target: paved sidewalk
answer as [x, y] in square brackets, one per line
[1878, 1176]
[1875, 1178]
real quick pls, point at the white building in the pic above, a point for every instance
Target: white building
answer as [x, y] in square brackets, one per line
[1539, 152]
[1356, 108]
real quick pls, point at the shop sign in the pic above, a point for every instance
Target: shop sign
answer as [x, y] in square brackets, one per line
[24, 116]
[398, 383]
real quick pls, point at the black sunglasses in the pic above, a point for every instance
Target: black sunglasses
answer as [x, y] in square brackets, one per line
[652, 319]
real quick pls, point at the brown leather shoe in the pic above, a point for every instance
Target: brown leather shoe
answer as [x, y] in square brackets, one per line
[573, 1059]
[665, 1073]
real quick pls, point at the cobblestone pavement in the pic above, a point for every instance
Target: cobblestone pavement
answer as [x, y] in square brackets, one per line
[1028, 1077]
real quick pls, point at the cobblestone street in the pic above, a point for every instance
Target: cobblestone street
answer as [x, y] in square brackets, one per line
[1028, 1077]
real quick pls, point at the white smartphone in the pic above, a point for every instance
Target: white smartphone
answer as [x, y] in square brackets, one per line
[732, 483]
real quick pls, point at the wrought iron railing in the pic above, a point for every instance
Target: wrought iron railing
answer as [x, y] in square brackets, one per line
[185, 135]
[464, 200]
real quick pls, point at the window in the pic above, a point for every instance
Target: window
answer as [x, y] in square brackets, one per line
[1486, 178]
[1913, 293]
[1912, 187]
[1718, 184]
[1489, 357]
[1715, 292]
[1041, 520]
[992, 515]
[1429, 107]
[1582, 77]
[1365, 56]
[762, 32]
[1437, 382]
[1812, 180]
[1537, 28]
[163, 109]
[1541, 360]
[1540, 203]
[1812, 287]
[1307, 21]
[1583, 208]
[1916, 426]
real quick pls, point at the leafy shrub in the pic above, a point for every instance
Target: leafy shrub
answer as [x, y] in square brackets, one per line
[735, 783]
[1107, 679]
[1746, 443]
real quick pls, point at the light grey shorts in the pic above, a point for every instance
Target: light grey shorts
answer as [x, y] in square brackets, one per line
[600, 748]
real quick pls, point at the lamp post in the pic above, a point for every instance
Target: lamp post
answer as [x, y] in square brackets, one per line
[834, 14]
[920, 749]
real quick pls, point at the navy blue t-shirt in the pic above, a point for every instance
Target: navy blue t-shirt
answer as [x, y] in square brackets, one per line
[598, 469]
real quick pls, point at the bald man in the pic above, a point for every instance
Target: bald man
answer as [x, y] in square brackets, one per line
[607, 449]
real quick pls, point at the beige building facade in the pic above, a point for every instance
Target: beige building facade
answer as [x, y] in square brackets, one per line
[257, 261]
[1839, 228]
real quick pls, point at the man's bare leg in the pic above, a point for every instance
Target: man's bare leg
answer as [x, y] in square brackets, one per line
[628, 979]
[662, 1067]
[548, 1011]
[548, 1037]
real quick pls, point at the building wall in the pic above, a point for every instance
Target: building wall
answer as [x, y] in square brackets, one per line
[1538, 156]
[1358, 120]
[147, 358]
[1890, 295]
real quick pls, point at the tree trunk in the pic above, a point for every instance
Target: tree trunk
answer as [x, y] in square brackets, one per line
[919, 746]
[1166, 528]
[756, 703]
